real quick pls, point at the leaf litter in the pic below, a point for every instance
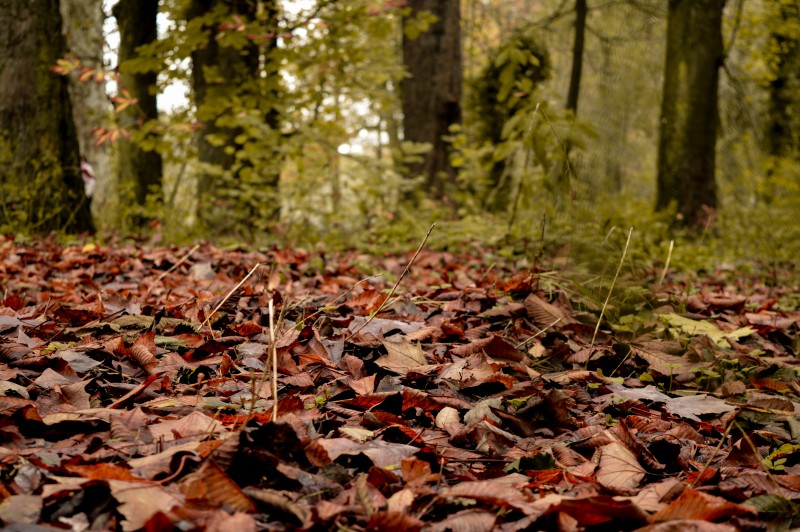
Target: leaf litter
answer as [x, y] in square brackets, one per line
[136, 393]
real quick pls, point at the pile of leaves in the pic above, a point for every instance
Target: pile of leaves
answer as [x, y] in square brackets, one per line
[136, 392]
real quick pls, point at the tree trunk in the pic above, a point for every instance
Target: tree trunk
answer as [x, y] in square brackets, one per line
[431, 94]
[562, 170]
[83, 28]
[581, 10]
[139, 170]
[40, 178]
[782, 136]
[689, 115]
[217, 71]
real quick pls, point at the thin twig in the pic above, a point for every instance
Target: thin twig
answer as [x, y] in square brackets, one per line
[394, 288]
[757, 454]
[176, 265]
[342, 296]
[714, 454]
[541, 332]
[611, 289]
[274, 352]
[666, 264]
[229, 294]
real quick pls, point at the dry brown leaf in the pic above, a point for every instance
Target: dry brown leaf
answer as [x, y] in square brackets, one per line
[618, 467]
[13, 351]
[499, 348]
[102, 472]
[21, 510]
[222, 521]
[688, 525]
[387, 520]
[651, 497]
[465, 521]
[595, 511]
[545, 314]
[693, 504]
[195, 424]
[471, 348]
[212, 485]
[449, 420]
[144, 352]
[382, 453]
[502, 492]
[692, 406]
[277, 500]
[664, 363]
[139, 501]
[401, 356]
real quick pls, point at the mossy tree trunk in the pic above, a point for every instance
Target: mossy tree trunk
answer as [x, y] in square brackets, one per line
[40, 179]
[689, 114]
[140, 170]
[782, 135]
[431, 95]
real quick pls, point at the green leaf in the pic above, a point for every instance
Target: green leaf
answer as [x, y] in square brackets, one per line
[774, 507]
[507, 78]
[697, 327]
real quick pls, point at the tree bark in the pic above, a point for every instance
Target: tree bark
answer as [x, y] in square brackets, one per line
[40, 177]
[581, 10]
[783, 110]
[689, 114]
[83, 28]
[561, 171]
[139, 170]
[217, 71]
[431, 95]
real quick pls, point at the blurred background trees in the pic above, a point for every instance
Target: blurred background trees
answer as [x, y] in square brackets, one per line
[358, 122]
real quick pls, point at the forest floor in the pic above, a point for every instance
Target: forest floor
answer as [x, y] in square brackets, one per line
[137, 392]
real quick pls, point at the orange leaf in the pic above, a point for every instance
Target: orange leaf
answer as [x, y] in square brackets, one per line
[102, 472]
[212, 485]
[694, 504]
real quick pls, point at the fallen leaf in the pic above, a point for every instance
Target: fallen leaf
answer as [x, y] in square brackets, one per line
[618, 467]
[693, 504]
[139, 501]
[692, 406]
[698, 327]
[401, 356]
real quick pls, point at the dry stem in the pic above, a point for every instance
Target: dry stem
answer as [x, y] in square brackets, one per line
[394, 288]
[611, 289]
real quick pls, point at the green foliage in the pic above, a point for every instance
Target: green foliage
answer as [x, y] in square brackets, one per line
[40, 203]
[416, 26]
[501, 95]
[291, 125]
[513, 133]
